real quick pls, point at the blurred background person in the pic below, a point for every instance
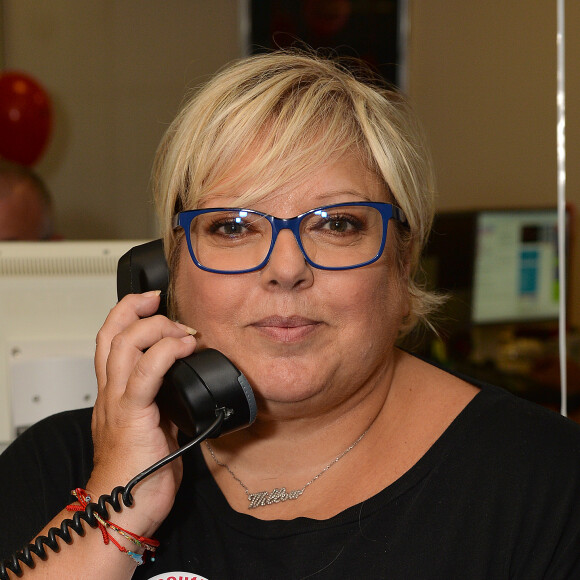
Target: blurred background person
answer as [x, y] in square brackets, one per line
[26, 211]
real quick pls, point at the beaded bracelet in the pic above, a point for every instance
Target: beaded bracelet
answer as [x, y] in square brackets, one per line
[149, 544]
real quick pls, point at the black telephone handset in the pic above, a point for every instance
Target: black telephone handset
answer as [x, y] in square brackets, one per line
[197, 386]
[204, 394]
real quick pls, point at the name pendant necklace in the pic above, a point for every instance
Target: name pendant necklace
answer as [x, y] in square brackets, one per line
[278, 494]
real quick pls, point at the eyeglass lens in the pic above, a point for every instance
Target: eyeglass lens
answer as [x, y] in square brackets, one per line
[333, 237]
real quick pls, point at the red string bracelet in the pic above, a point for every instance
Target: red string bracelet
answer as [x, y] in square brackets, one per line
[149, 544]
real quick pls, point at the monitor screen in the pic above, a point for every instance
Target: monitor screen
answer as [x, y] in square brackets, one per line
[495, 266]
[515, 272]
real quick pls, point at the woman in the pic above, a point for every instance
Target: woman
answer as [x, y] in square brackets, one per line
[364, 461]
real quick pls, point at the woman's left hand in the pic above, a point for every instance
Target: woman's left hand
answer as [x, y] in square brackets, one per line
[134, 351]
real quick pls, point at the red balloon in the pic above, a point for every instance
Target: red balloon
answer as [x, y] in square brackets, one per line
[25, 118]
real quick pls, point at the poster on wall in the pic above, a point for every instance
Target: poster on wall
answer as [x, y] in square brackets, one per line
[366, 29]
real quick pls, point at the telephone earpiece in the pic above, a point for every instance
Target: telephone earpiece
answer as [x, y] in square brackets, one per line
[144, 268]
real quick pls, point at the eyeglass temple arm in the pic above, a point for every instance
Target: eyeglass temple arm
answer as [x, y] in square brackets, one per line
[399, 215]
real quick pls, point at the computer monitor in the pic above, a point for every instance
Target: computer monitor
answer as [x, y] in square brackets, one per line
[497, 268]
[500, 323]
[515, 276]
[54, 297]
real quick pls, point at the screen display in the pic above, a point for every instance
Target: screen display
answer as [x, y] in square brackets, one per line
[515, 274]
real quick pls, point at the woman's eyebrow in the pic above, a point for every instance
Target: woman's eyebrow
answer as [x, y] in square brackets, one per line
[345, 192]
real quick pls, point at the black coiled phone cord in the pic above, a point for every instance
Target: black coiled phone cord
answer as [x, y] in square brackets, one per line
[99, 508]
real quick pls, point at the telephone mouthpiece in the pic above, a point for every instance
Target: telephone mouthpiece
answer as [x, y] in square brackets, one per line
[197, 387]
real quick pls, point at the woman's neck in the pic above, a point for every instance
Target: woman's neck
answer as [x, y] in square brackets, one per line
[304, 451]
[404, 417]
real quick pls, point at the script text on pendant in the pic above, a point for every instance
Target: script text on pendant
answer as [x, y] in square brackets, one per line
[277, 495]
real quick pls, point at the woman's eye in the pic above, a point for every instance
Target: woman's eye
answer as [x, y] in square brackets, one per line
[339, 225]
[232, 227]
[342, 224]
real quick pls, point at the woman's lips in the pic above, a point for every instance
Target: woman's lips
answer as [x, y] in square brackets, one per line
[286, 328]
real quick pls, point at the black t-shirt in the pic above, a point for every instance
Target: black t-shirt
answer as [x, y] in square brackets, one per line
[497, 496]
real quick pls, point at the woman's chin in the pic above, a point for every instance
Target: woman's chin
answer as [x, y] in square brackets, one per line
[290, 397]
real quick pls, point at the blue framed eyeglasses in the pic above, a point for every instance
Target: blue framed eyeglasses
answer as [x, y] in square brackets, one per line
[342, 236]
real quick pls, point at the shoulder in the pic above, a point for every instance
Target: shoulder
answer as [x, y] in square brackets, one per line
[520, 443]
[68, 427]
[43, 465]
[539, 432]
[501, 424]
[525, 460]
[62, 440]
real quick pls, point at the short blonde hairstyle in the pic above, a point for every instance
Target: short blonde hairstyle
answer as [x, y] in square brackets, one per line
[270, 119]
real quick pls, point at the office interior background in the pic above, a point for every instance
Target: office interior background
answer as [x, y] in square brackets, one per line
[481, 75]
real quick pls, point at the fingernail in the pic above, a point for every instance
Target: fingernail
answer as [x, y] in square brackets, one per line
[151, 293]
[187, 338]
[187, 329]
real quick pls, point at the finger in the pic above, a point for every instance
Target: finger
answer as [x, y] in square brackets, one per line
[126, 348]
[130, 309]
[147, 375]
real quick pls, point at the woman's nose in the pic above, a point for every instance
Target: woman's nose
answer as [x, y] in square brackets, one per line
[287, 267]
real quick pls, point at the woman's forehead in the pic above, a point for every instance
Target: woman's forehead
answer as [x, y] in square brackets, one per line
[340, 179]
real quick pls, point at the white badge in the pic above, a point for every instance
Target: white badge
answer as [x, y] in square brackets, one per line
[178, 576]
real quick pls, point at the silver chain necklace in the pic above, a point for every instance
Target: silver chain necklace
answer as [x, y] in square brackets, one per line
[278, 494]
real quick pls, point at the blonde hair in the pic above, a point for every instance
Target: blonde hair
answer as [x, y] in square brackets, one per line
[270, 119]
